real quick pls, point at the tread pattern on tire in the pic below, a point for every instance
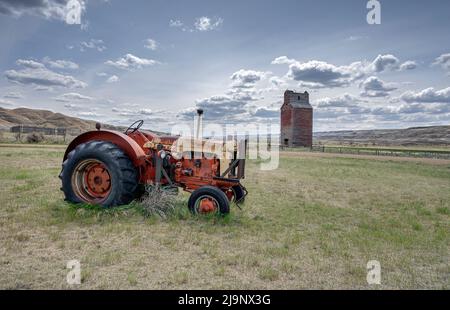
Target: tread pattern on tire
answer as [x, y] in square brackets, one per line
[224, 205]
[119, 165]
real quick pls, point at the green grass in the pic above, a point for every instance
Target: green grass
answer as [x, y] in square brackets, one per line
[313, 223]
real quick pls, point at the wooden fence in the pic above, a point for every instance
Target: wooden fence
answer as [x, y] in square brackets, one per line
[56, 132]
[44, 130]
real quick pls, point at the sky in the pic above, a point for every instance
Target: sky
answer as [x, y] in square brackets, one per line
[160, 60]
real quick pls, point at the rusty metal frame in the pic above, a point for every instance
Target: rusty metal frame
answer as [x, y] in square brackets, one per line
[125, 143]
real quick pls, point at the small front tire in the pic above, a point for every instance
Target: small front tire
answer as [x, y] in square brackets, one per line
[208, 199]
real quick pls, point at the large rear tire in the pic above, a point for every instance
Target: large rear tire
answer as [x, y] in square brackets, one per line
[99, 173]
[208, 199]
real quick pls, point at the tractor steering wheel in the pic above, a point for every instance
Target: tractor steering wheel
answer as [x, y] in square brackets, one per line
[135, 126]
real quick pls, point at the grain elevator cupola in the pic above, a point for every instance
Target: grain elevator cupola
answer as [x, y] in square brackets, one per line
[296, 120]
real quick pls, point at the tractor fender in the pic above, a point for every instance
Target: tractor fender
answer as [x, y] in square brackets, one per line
[125, 143]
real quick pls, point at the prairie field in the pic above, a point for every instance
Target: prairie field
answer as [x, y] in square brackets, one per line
[314, 222]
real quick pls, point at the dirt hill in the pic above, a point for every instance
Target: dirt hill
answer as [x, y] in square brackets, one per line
[44, 118]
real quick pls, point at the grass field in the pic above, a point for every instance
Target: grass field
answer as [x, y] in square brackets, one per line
[313, 223]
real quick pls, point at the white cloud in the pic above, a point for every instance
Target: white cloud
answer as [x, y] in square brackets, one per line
[175, 23]
[428, 108]
[37, 74]
[428, 95]
[93, 44]
[73, 97]
[202, 24]
[311, 85]
[282, 60]
[265, 112]
[205, 23]
[28, 63]
[75, 107]
[6, 102]
[390, 62]
[123, 111]
[233, 106]
[131, 62]
[243, 94]
[88, 114]
[342, 109]
[277, 81]
[60, 64]
[151, 44]
[355, 38]
[71, 105]
[13, 95]
[247, 78]
[443, 61]
[112, 79]
[384, 62]
[48, 9]
[320, 74]
[411, 108]
[145, 111]
[374, 87]
[243, 101]
[132, 110]
[408, 65]
[346, 108]
[221, 107]
[344, 100]
[43, 88]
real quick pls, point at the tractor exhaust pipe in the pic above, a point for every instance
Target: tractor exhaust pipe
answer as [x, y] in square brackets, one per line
[199, 123]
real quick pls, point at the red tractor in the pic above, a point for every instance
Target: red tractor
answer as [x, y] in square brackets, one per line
[111, 168]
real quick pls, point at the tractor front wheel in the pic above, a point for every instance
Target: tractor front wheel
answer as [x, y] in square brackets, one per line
[208, 199]
[99, 173]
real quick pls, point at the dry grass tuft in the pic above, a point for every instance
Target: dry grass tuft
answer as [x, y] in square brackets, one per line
[158, 201]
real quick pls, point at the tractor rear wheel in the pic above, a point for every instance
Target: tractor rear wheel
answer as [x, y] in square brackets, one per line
[99, 173]
[208, 199]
